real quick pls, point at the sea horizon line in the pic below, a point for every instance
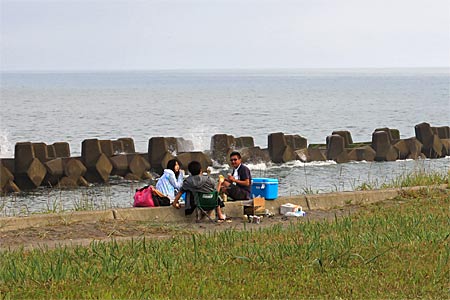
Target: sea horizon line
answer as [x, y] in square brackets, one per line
[424, 69]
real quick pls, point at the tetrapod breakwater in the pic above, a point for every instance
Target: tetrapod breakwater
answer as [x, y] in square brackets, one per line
[39, 164]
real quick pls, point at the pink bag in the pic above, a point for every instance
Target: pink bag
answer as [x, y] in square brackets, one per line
[143, 197]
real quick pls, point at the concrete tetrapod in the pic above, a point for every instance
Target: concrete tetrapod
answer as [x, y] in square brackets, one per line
[29, 172]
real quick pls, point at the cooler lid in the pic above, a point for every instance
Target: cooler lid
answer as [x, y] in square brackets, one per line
[264, 180]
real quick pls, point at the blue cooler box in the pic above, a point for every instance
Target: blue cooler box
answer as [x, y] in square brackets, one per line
[265, 187]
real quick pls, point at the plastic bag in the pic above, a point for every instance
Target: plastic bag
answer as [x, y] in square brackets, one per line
[143, 197]
[299, 213]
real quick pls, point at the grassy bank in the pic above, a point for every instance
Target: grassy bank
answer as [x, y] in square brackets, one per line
[401, 250]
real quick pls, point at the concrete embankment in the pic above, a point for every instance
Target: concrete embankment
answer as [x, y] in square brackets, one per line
[233, 209]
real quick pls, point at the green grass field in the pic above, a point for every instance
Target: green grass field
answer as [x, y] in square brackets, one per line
[400, 250]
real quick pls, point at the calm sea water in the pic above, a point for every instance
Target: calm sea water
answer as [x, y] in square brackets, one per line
[51, 107]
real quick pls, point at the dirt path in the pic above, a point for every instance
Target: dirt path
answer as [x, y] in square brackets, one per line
[84, 233]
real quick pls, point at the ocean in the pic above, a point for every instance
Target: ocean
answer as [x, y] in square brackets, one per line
[196, 104]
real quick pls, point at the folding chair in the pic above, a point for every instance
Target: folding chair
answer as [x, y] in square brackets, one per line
[206, 202]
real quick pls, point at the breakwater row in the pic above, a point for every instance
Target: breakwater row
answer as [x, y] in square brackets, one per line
[36, 164]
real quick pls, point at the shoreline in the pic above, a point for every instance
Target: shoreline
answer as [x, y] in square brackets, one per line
[325, 201]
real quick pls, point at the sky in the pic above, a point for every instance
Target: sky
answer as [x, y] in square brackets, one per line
[65, 35]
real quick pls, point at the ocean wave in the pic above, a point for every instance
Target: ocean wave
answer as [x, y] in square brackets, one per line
[270, 166]
[6, 148]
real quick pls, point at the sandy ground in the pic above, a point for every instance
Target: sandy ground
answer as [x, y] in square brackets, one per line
[84, 233]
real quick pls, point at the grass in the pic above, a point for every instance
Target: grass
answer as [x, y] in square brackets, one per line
[309, 191]
[401, 250]
[416, 178]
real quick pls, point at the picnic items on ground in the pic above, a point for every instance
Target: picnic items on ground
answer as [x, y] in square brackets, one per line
[291, 210]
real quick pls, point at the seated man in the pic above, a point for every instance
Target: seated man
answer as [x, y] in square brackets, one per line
[238, 184]
[197, 183]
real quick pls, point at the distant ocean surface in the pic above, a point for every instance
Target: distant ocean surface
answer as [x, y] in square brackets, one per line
[73, 106]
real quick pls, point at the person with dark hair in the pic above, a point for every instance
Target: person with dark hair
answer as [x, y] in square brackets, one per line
[171, 180]
[197, 182]
[237, 185]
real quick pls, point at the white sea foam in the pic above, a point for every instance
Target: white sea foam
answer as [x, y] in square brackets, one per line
[259, 166]
[6, 148]
[298, 164]
[200, 137]
[269, 166]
